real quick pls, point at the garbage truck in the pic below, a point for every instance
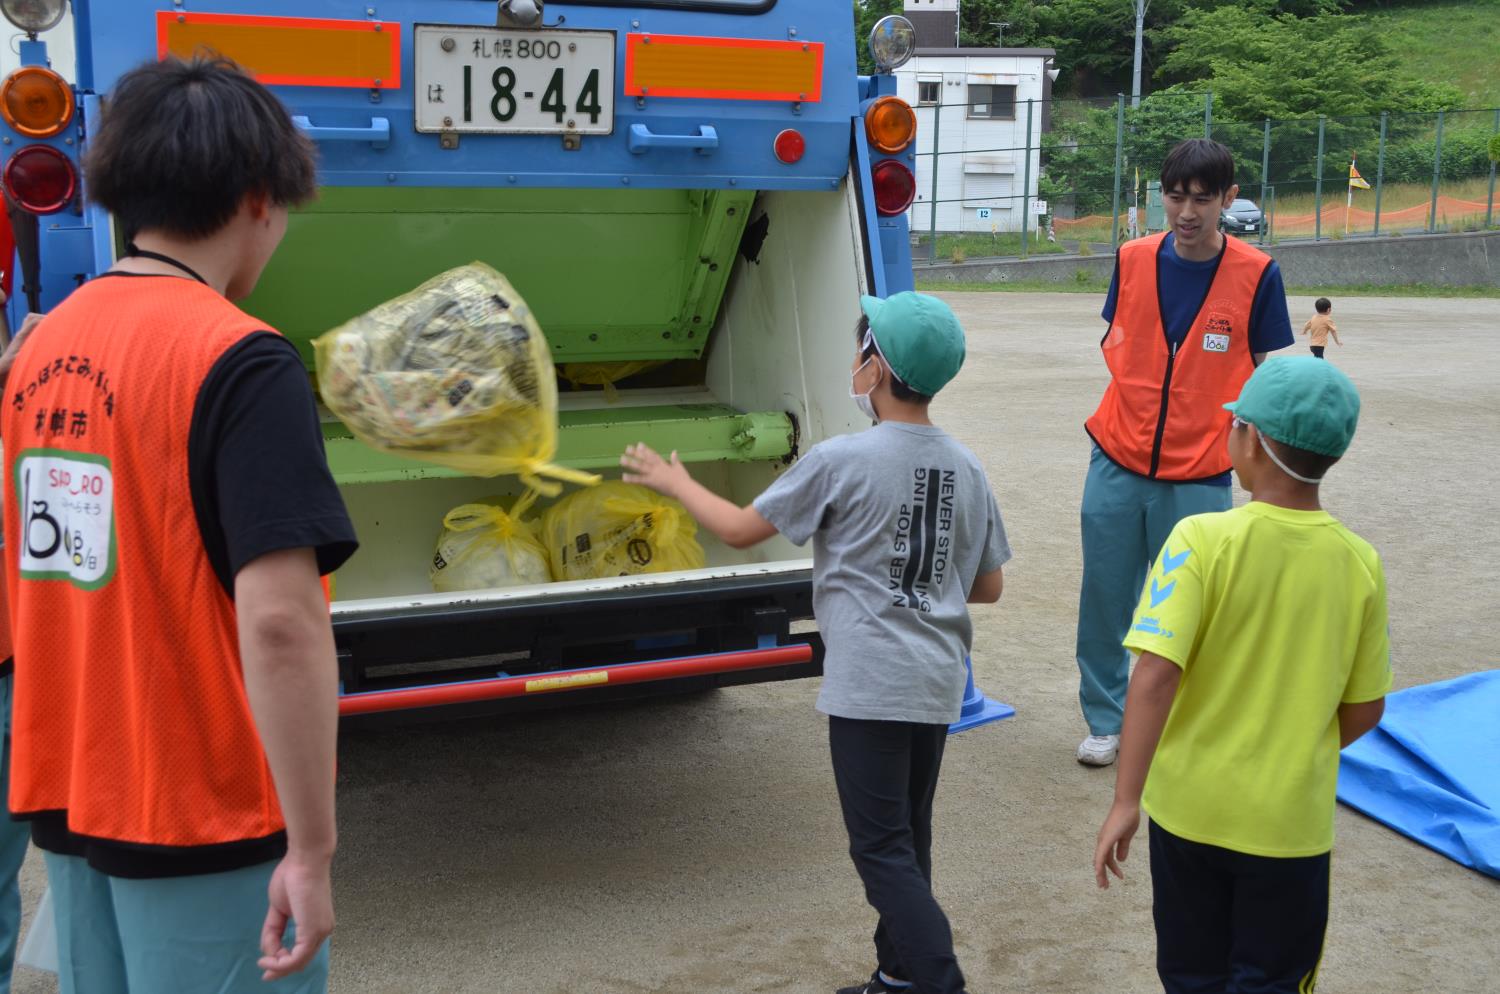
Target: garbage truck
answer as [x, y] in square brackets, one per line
[690, 195]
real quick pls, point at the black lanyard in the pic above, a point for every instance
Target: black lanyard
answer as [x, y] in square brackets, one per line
[132, 251]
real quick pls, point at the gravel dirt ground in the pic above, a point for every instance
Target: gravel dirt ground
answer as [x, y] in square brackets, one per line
[695, 845]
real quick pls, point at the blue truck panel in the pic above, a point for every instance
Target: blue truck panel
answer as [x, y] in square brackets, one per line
[367, 137]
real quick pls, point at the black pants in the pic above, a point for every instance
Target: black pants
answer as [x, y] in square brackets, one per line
[887, 773]
[1317, 351]
[1231, 923]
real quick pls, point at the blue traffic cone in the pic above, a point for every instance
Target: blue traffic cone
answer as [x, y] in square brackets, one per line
[977, 709]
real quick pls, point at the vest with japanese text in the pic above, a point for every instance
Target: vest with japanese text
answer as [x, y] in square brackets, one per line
[1162, 415]
[131, 713]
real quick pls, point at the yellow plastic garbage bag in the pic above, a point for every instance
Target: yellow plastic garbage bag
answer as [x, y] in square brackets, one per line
[619, 529]
[607, 374]
[483, 545]
[456, 372]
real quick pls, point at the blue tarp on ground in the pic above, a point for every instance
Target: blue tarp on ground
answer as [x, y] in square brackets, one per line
[1431, 770]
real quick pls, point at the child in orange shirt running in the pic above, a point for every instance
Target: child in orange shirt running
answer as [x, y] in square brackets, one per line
[1320, 326]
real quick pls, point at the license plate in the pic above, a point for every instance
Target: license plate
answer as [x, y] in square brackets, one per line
[503, 81]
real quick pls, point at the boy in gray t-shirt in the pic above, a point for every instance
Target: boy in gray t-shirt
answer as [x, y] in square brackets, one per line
[906, 534]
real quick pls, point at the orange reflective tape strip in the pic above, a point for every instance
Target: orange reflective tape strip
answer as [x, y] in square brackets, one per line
[723, 68]
[290, 51]
[567, 682]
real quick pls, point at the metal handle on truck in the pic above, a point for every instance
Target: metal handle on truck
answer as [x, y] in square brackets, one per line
[643, 138]
[378, 134]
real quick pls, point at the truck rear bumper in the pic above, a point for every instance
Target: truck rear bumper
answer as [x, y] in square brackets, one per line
[509, 687]
[503, 651]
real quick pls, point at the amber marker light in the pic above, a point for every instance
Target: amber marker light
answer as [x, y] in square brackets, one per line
[890, 124]
[36, 102]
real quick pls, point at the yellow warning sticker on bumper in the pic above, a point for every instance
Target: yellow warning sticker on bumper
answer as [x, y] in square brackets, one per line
[567, 682]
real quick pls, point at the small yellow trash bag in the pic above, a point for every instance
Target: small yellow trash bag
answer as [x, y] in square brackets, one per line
[606, 374]
[484, 545]
[455, 372]
[619, 529]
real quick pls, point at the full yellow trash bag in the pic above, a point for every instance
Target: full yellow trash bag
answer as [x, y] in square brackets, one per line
[483, 545]
[619, 529]
[455, 372]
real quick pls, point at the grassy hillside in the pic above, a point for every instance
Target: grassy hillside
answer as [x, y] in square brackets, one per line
[1448, 41]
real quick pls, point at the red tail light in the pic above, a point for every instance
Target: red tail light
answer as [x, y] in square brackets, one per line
[40, 179]
[790, 146]
[895, 187]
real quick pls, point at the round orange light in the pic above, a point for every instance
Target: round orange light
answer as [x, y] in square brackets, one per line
[36, 102]
[890, 124]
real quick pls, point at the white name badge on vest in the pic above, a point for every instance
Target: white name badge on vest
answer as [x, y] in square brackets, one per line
[1215, 343]
[67, 517]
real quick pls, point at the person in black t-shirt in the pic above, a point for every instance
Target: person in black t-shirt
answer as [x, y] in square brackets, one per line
[190, 883]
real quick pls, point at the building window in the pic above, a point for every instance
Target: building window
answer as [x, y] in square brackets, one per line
[929, 91]
[990, 101]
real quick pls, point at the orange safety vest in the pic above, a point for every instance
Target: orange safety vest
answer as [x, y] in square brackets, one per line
[1162, 415]
[131, 714]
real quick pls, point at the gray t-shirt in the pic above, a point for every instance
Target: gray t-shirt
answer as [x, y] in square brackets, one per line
[902, 520]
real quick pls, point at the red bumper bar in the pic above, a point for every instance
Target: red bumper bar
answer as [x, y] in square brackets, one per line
[524, 686]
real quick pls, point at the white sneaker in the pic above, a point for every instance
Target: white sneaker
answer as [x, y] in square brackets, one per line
[1099, 750]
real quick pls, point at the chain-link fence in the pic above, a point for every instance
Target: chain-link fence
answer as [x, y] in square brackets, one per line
[1034, 176]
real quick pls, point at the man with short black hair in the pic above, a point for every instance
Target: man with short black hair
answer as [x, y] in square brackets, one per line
[169, 511]
[1191, 313]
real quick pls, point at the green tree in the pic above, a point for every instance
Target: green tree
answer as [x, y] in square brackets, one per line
[1259, 63]
[1078, 157]
[977, 20]
[1095, 39]
[1079, 165]
[1261, 66]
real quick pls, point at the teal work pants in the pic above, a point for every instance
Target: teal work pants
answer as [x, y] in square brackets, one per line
[13, 838]
[1126, 518]
[181, 934]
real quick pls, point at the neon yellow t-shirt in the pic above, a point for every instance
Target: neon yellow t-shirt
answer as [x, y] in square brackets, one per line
[1276, 617]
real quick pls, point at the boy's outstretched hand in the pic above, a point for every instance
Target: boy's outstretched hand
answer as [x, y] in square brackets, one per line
[1113, 846]
[645, 466]
[737, 527]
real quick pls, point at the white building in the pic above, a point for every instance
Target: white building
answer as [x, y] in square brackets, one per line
[976, 103]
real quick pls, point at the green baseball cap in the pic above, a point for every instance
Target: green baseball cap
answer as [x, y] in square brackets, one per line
[918, 336]
[1301, 401]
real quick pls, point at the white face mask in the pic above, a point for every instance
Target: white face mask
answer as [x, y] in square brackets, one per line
[862, 400]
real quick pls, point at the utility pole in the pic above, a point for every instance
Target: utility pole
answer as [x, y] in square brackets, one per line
[999, 27]
[1140, 23]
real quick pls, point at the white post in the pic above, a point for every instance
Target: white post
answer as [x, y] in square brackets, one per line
[1140, 21]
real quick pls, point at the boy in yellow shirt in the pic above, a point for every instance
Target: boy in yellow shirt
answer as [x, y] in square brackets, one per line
[1263, 651]
[1320, 326]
